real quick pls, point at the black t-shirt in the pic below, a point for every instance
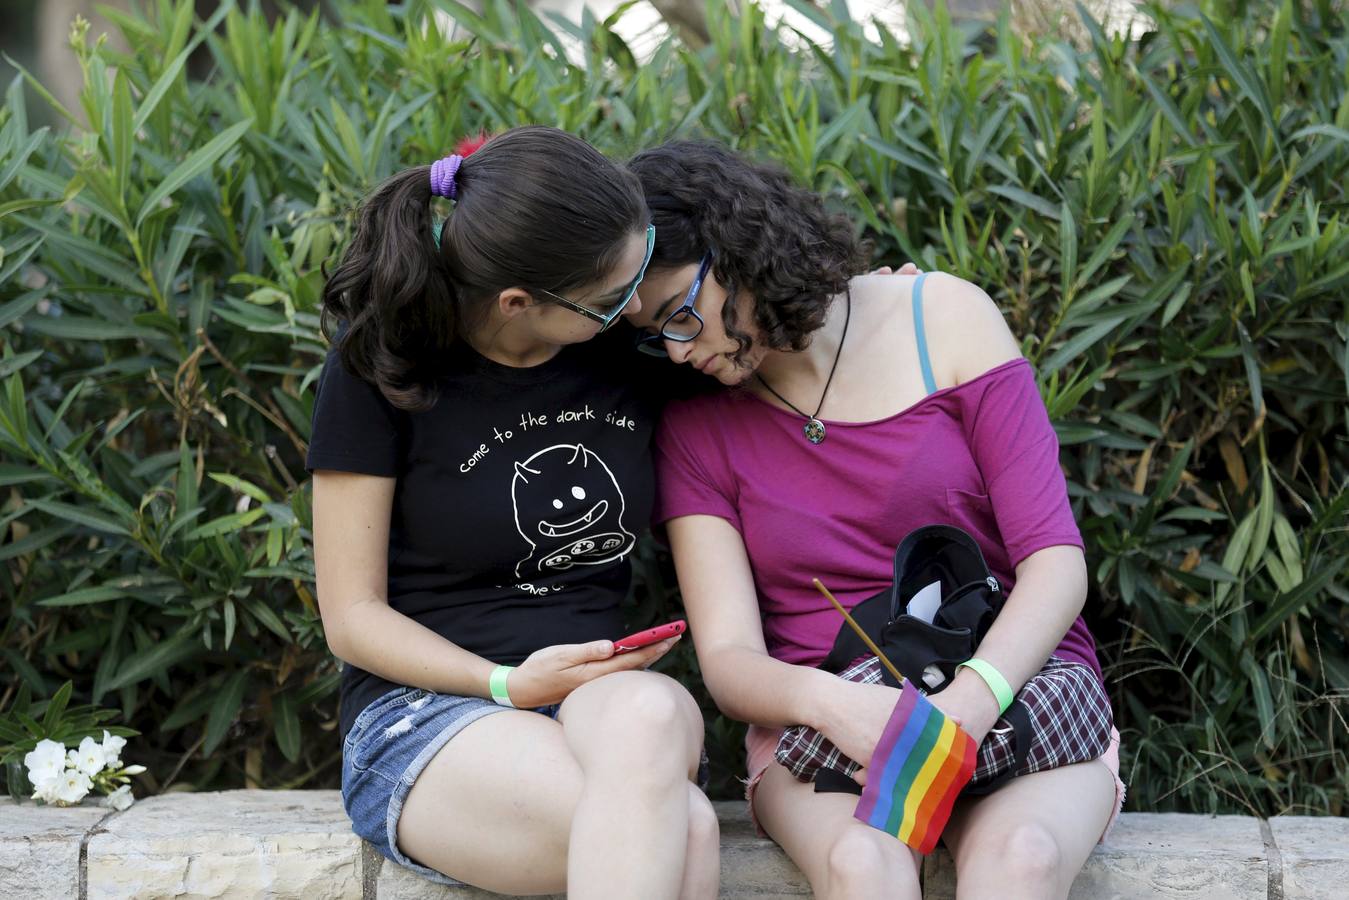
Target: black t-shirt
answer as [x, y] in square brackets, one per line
[520, 495]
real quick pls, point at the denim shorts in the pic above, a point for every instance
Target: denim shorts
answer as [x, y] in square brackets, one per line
[391, 742]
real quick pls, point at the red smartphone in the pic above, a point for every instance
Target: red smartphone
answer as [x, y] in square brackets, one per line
[649, 637]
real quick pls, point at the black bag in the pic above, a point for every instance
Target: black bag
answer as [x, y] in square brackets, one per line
[971, 600]
[928, 653]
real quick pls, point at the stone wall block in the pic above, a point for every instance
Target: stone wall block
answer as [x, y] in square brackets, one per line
[40, 848]
[228, 844]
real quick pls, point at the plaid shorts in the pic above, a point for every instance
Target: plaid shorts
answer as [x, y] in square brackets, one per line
[1067, 706]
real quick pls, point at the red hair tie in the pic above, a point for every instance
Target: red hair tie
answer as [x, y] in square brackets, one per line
[470, 145]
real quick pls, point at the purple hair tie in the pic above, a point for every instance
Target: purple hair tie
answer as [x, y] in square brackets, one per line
[442, 175]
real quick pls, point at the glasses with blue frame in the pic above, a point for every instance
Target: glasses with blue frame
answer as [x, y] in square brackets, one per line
[607, 318]
[683, 324]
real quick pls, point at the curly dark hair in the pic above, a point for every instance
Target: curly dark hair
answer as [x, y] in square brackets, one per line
[536, 208]
[770, 238]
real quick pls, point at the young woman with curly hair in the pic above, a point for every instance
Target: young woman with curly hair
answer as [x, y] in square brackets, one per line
[481, 468]
[862, 408]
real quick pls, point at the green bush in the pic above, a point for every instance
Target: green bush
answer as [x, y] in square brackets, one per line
[1161, 219]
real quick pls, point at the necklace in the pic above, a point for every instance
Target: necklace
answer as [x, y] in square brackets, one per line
[814, 429]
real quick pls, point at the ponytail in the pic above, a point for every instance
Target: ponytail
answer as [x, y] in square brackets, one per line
[391, 295]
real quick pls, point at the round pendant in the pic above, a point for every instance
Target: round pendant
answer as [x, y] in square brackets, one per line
[814, 431]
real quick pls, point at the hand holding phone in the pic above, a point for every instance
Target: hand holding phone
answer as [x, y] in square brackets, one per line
[649, 637]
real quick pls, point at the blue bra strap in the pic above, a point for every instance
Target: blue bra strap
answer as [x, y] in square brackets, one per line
[928, 381]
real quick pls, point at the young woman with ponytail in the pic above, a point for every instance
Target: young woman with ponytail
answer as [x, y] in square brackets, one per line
[481, 469]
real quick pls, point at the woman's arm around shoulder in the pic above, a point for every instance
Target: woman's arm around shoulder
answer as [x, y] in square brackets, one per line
[967, 334]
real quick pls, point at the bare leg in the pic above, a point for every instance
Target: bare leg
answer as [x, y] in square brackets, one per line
[497, 806]
[637, 737]
[501, 791]
[702, 860]
[842, 858]
[1031, 837]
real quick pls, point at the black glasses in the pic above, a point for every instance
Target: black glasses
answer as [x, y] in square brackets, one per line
[682, 325]
[607, 318]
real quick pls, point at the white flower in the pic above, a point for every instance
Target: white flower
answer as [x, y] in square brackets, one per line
[133, 770]
[89, 758]
[120, 799]
[46, 761]
[46, 789]
[72, 786]
[112, 749]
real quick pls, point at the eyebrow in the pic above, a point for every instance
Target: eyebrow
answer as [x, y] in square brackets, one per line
[660, 310]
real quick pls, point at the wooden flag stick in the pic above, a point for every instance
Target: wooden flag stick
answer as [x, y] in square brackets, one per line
[860, 633]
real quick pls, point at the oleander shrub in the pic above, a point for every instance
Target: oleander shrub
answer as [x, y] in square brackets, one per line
[1161, 217]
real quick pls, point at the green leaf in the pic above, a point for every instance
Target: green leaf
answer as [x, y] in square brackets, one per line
[286, 726]
[1289, 604]
[264, 614]
[162, 85]
[16, 206]
[1026, 199]
[1289, 553]
[1264, 701]
[81, 516]
[80, 328]
[200, 161]
[225, 524]
[56, 706]
[1104, 248]
[123, 134]
[1162, 493]
[32, 678]
[1073, 347]
[1235, 555]
[1278, 571]
[189, 709]
[14, 363]
[230, 617]
[224, 710]
[34, 541]
[1243, 77]
[158, 657]
[1252, 366]
[13, 474]
[240, 485]
[84, 596]
[1264, 519]
[1067, 251]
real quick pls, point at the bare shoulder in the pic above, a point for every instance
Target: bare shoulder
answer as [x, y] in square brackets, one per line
[966, 332]
[885, 290]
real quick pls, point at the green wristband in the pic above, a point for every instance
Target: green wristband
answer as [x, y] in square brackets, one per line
[497, 684]
[993, 678]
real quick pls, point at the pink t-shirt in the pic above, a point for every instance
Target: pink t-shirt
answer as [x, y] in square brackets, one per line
[980, 455]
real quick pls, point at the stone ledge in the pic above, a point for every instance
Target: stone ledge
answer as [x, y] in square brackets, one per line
[285, 844]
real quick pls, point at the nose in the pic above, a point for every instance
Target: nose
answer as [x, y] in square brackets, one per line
[634, 305]
[678, 351]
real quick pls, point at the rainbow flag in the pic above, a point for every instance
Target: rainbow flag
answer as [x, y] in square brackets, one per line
[921, 763]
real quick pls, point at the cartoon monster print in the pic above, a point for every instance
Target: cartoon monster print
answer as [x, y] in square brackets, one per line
[569, 508]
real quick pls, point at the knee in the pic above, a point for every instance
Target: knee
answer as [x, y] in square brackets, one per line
[704, 831]
[1030, 855]
[648, 708]
[860, 863]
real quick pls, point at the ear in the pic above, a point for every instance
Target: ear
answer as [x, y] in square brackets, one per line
[513, 301]
[523, 472]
